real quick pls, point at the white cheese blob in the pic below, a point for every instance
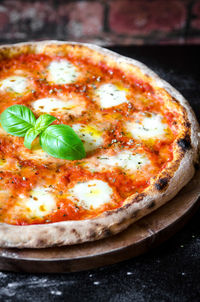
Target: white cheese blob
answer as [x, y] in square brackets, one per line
[39, 203]
[147, 127]
[48, 105]
[73, 105]
[37, 154]
[91, 137]
[110, 95]
[62, 72]
[16, 84]
[126, 160]
[91, 194]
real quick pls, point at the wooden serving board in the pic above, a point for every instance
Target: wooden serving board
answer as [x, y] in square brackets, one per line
[137, 239]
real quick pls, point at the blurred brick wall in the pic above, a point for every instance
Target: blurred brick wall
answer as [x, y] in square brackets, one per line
[104, 22]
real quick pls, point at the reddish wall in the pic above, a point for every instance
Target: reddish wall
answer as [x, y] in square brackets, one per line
[105, 22]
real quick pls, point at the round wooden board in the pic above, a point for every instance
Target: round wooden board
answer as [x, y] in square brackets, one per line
[137, 239]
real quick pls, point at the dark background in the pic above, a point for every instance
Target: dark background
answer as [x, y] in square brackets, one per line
[103, 22]
[169, 272]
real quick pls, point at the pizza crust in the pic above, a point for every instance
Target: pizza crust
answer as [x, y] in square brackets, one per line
[166, 185]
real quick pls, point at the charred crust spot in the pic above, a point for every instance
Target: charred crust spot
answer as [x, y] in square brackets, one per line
[135, 214]
[188, 125]
[92, 234]
[61, 229]
[151, 205]
[74, 231]
[139, 197]
[42, 242]
[107, 232]
[185, 143]
[161, 183]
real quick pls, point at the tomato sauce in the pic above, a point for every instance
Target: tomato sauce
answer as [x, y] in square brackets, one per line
[59, 175]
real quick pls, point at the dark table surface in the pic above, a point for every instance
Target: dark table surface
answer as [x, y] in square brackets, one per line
[170, 272]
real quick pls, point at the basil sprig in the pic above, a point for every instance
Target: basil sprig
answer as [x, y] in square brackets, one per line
[41, 124]
[59, 141]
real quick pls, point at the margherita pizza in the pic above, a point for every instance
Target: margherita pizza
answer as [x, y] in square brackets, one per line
[139, 134]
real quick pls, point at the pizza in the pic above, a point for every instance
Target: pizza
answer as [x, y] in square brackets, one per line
[140, 137]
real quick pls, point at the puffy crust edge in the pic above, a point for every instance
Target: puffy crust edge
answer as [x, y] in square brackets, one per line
[165, 187]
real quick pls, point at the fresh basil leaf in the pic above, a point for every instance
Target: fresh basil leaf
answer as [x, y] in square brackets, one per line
[17, 120]
[41, 124]
[62, 142]
[30, 135]
[44, 121]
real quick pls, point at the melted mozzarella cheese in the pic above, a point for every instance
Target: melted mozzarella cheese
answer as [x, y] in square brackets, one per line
[37, 154]
[148, 127]
[91, 194]
[125, 160]
[48, 105]
[110, 95]
[72, 105]
[17, 84]
[40, 202]
[91, 137]
[62, 72]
